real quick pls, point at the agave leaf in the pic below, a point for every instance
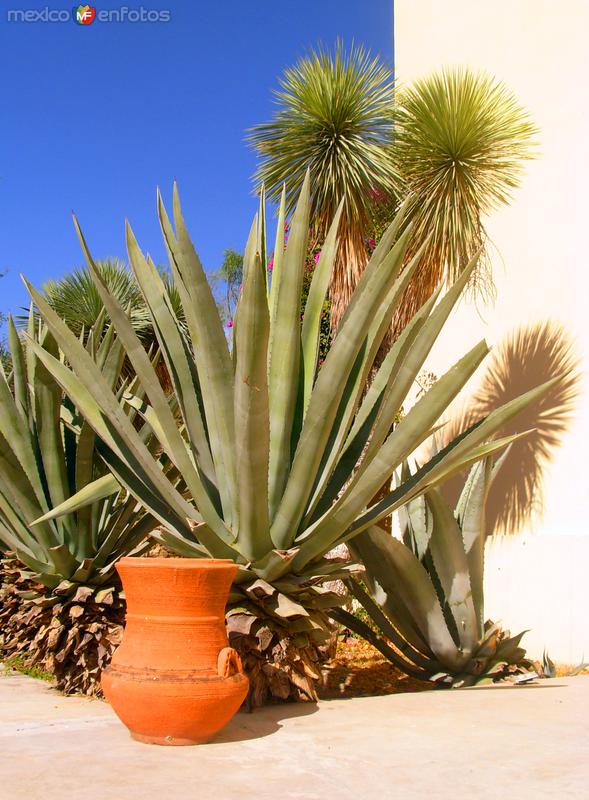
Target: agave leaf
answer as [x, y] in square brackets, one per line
[261, 236]
[15, 430]
[145, 371]
[19, 502]
[402, 643]
[509, 650]
[48, 412]
[33, 327]
[417, 524]
[409, 433]
[451, 565]
[13, 530]
[356, 382]
[90, 493]
[161, 504]
[101, 409]
[59, 549]
[499, 417]
[211, 355]
[378, 580]
[471, 519]
[18, 370]
[352, 622]
[63, 561]
[367, 416]
[327, 393]
[252, 426]
[278, 259]
[401, 366]
[432, 473]
[315, 302]
[285, 352]
[388, 373]
[456, 456]
[415, 357]
[181, 367]
[381, 251]
[412, 584]
[83, 475]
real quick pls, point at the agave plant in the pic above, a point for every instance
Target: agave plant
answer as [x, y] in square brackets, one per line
[425, 593]
[48, 453]
[275, 461]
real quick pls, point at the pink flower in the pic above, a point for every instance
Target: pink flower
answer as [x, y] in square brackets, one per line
[271, 264]
[316, 256]
[229, 324]
[371, 244]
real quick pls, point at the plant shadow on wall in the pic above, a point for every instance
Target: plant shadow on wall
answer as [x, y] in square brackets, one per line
[526, 357]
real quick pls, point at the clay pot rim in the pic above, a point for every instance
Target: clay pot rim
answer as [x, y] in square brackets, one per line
[185, 563]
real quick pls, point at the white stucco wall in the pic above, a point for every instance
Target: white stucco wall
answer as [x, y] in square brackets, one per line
[538, 584]
[539, 49]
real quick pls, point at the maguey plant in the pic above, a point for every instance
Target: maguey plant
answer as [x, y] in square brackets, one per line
[275, 461]
[60, 605]
[425, 592]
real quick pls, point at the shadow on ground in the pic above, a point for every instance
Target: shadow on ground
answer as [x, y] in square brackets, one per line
[262, 722]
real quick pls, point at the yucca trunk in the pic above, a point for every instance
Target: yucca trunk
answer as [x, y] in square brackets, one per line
[350, 262]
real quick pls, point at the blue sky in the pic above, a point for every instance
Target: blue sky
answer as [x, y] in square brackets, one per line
[94, 118]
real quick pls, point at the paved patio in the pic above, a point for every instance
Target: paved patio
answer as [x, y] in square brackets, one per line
[504, 741]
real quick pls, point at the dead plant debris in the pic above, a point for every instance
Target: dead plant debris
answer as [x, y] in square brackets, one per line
[359, 670]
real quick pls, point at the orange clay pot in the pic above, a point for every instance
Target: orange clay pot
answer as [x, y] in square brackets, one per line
[174, 680]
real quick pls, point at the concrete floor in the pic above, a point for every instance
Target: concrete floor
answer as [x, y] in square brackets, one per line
[521, 742]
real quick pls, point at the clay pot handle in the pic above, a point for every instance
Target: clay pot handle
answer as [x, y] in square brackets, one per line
[229, 663]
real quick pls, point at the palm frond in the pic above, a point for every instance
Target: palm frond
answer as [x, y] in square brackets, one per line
[75, 297]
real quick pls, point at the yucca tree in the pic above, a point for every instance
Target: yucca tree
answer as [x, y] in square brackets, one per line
[461, 140]
[71, 621]
[334, 118]
[278, 460]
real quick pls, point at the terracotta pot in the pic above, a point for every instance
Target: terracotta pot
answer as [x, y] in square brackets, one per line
[174, 680]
